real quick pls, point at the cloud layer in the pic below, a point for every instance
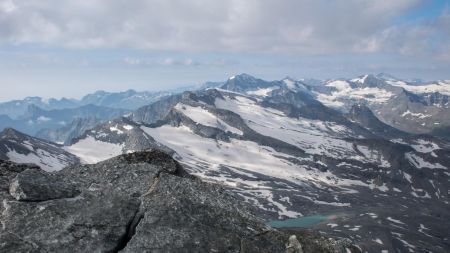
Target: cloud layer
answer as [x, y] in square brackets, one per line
[304, 26]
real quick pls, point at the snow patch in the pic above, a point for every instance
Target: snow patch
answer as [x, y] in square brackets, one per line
[43, 119]
[420, 163]
[395, 221]
[42, 158]
[116, 129]
[424, 146]
[440, 86]
[128, 127]
[262, 92]
[416, 115]
[379, 241]
[345, 92]
[90, 150]
[204, 117]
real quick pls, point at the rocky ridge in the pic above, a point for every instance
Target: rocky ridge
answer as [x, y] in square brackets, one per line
[139, 202]
[21, 148]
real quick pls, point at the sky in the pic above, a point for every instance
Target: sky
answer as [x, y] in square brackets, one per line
[69, 48]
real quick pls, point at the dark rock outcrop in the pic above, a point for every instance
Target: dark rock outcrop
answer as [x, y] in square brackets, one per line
[36, 185]
[156, 111]
[362, 115]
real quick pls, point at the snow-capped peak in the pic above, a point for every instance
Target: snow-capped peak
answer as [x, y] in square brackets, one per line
[243, 77]
[360, 79]
[387, 77]
[290, 83]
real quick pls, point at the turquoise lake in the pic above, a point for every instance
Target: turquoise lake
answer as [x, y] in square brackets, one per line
[297, 222]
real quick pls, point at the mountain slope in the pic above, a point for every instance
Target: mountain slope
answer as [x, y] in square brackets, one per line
[70, 131]
[364, 116]
[21, 148]
[290, 156]
[151, 113]
[110, 139]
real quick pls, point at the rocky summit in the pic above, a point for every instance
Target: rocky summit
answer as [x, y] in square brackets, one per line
[138, 202]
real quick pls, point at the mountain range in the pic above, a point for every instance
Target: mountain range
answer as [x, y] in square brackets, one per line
[414, 108]
[361, 152]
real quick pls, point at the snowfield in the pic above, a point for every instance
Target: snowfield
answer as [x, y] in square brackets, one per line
[345, 92]
[442, 87]
[90, 150]
[313, 136]
[203, 154]
[47, 161]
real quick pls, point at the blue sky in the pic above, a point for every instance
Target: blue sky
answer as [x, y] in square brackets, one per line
[70, 48]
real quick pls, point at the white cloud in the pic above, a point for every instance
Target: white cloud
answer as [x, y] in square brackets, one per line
[304, 26]
[43, 119]
[132, 61]
[7, 6]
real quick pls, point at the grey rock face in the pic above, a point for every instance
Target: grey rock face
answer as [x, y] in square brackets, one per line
[245, 82]
[295, 98]
[362, 115]
[208, 221]
[152, 113]
[94, 221]
[35, 185]
[413, 113]
[68, 132]
[8, 171]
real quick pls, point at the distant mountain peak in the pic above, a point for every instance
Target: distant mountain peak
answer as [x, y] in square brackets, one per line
[242, 77]
[363, 78]
[387, 76]
[368, 80]
[10, 132]
[244, 82]
[289, 78]
[100, 92]
[295, 85]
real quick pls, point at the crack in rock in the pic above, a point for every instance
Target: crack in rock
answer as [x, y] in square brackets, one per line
[130, 230]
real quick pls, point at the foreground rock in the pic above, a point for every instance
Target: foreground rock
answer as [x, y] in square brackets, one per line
[36, 185]
[141, 202]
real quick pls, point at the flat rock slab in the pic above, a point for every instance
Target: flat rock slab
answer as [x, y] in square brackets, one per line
[36, 185]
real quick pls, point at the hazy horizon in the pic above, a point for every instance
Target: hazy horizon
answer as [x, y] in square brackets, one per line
[73, 48]
[173, 86]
